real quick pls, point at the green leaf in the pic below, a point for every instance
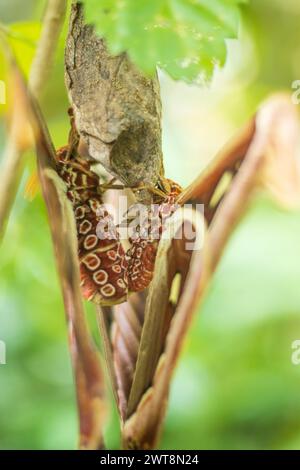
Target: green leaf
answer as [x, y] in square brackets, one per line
[186, 38]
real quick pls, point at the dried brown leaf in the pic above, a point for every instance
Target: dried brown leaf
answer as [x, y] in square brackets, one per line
[261, 152]
[86, 365]
[268, 163]
[126, 336]
[168, 315]
[209, 188]
[278, 122]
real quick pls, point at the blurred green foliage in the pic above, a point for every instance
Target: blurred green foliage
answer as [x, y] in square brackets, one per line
[186, 38]
[235, 386]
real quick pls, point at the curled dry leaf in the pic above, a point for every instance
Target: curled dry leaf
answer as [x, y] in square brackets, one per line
[212, 185]
[86, 365]
[144, 347]
[126, 336]
[262, 166]
[278, 124]
[118, 325]
[262, 154]
[147, 335]
[181, 275]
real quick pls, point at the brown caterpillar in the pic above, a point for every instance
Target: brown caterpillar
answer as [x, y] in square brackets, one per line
[103, 265]
[144, 242]
[108, 274]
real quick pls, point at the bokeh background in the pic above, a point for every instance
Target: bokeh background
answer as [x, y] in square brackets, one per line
[235, 386]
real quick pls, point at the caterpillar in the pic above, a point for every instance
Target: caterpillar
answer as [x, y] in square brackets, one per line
[102, 260]
[108, 273]
[144, 242]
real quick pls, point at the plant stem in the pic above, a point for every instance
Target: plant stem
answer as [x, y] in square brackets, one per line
[11, 168]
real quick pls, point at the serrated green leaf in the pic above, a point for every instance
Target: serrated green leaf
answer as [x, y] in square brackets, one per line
[186, 38]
